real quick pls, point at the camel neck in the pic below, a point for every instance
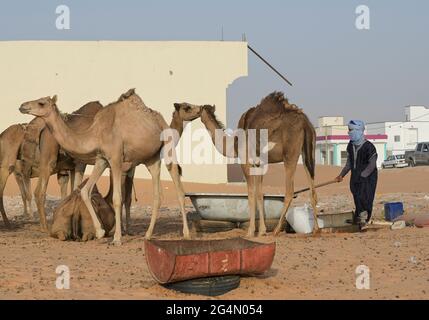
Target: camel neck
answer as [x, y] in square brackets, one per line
[70, 140]
[177, 123]
[213, 128]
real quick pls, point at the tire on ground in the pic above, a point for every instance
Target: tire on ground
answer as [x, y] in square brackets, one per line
[212, 286]
[211, 226]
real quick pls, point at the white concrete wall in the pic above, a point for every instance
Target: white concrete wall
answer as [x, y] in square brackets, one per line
[162, 73]
[407, 131]
[416, 113]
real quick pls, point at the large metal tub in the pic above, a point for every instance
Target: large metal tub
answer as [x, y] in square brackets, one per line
[178, 260]
[235, 208]
[232, 207]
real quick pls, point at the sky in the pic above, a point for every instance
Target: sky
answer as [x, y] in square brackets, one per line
[336, 69]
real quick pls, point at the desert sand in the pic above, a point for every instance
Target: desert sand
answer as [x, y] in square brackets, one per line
[305, 267]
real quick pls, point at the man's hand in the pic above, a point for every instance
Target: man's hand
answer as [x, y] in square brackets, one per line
[339, 179]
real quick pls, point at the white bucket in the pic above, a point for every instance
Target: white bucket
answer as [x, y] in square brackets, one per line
[301, 219]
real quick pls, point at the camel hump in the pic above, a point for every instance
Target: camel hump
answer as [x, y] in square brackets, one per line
[127, 94]
[89, 109]
[276, 102]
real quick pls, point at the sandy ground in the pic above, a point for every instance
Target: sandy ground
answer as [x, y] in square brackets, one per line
[304, 267]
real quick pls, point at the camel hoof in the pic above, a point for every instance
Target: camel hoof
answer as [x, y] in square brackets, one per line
[116, 243]
[262, 231]
[61, 235]
[148, 236]
[317, 232]
[100, 233]
[88, 237]
[187, 237]
[277, 232]
[251, 233]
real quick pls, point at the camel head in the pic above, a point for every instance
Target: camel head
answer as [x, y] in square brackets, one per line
[187, 111]
[208, 108]
[40, 108]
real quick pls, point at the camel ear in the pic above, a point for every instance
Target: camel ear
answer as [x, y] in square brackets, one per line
[177, 106]
[54, 99]
[214, 108]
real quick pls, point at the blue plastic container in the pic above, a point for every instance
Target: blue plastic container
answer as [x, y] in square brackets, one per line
[392, 210]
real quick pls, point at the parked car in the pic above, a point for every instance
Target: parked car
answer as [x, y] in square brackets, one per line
[396, 161]
[420, 155]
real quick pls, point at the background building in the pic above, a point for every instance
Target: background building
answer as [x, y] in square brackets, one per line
[332, 140]
[402, 136]
[163, 73]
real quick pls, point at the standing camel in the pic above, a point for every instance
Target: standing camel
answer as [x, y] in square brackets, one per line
[10, 142]
[183, 112]
[123, 135]
[11, 147]
[290, 134]
[43, 158]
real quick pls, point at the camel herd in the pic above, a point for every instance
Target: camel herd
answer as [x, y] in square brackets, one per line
[127, 133]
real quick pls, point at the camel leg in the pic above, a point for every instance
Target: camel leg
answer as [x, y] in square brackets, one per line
[116, 166]
[251, 191]
[21, 186]
[78, 175]
[109, 195]
[99, 167]
[40, 195]
[155, 170]
[174, 171]
[27, 189]
[316, 228]
[260, 205]
[128, 192]
[63, 181]
[72, 174]
[4, 174]
[290, 167]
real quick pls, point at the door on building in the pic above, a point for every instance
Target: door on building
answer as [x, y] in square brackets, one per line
[331, 158]
[323, 157]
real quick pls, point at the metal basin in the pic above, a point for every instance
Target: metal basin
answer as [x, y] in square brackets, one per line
[232, 207]
[177, 260]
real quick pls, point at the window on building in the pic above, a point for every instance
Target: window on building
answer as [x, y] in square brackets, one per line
[397, 138]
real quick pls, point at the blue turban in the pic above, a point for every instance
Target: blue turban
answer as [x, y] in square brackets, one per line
[356, 132]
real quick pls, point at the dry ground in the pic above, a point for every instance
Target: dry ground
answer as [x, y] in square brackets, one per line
[304, 267]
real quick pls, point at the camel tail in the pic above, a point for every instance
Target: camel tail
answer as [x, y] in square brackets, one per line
[309, 148]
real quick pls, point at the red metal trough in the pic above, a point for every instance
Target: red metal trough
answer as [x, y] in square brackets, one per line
[172, 261]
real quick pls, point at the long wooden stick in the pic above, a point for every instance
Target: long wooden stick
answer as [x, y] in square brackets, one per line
[316, 186]
[269, 65]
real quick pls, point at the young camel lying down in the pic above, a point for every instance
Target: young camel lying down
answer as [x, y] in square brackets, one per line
[72, 220]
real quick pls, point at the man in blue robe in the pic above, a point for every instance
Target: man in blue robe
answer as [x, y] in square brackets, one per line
[362, 162]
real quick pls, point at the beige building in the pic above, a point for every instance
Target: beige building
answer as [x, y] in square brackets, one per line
[161, 72]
